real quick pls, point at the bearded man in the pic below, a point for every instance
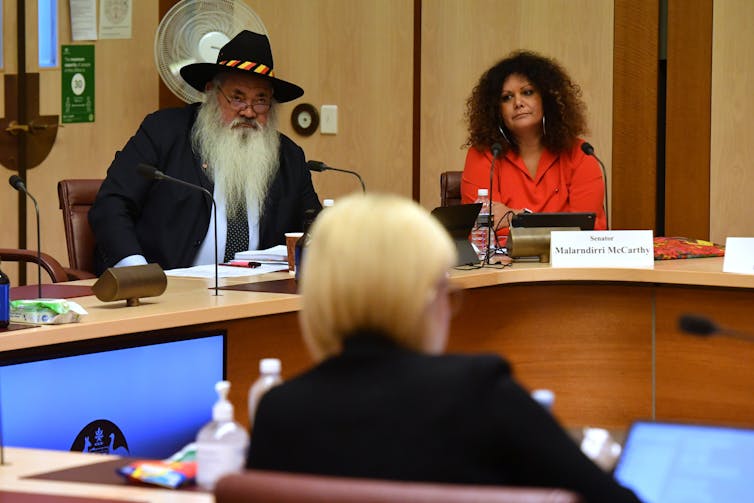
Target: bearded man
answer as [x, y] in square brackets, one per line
[230, 146]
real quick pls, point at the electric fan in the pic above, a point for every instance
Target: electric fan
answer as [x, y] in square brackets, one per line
[193, 31]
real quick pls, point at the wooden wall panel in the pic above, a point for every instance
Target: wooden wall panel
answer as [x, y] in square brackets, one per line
[126, 90]
[635, 59]
[687, 147]
[732, 137]
[358, 56]
[462, 38]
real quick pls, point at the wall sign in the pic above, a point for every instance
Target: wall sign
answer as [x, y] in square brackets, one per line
[77, 83]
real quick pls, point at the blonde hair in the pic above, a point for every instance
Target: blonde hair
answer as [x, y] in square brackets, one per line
[372, 264]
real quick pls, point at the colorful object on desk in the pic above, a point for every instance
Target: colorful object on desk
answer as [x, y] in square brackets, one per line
[242, 263]
[670, 248]
[45, 311]
[176, 471]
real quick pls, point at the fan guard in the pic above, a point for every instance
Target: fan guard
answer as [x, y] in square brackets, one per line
[193, 31]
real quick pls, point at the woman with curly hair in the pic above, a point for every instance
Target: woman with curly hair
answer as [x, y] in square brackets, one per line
[529, 105]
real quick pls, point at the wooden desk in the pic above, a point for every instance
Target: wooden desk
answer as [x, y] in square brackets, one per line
[605, 340]
[21, 464]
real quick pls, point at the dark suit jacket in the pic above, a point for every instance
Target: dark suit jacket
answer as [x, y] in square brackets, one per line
[381, 411]
[167, 222]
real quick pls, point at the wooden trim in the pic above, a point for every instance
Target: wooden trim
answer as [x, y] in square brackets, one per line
[417, 102]
[166, 97]
[689, 94]
[635, 79]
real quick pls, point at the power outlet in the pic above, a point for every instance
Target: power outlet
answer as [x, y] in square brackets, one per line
[328, 119]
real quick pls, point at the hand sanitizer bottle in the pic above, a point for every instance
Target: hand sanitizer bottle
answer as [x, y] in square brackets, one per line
[221, 444]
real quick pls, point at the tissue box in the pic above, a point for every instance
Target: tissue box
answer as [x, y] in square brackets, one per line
[45, 311]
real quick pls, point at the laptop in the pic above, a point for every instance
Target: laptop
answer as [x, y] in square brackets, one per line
[582, 220]
[458, 221]
[675, 462]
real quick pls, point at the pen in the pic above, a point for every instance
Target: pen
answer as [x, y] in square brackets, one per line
[242, 263]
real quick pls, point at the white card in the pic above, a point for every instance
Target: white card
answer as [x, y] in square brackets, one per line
[620, 249]
[739, 255]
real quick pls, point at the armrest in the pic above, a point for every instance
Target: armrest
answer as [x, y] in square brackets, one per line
[48, 263]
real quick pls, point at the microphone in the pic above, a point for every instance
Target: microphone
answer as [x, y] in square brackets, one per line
[153, 173]
[18, 183]
[587, 148]
[496, 149]
[704, 327]
[320, 166]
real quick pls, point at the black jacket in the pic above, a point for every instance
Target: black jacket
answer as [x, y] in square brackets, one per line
[380, 411]
[167, 222]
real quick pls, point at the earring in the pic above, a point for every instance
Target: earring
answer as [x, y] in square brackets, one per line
[502, 132]
[544, 131]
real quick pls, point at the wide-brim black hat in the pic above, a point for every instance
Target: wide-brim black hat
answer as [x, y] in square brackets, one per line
[248, 53]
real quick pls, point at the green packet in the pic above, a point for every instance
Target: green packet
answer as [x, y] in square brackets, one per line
[45, 311]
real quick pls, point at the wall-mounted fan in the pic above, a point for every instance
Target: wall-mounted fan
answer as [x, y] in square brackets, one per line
[193, 31]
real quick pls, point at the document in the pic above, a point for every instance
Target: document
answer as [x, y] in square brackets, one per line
[208, 271]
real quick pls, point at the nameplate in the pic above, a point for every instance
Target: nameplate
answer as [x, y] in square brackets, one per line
[624, 249]
[739, 255]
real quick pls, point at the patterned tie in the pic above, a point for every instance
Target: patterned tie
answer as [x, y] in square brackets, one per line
[238, 233]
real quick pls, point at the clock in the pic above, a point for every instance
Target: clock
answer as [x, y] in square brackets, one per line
[305, 119]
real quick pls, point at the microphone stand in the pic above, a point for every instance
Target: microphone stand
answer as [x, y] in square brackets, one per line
[320, 166]
[495, 149]
[588, 149]
[17, 183]
[155, 174]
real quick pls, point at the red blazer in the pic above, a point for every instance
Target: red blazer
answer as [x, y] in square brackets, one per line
[568, 182]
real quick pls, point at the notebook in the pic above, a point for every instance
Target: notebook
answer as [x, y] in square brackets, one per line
[674, 463]
[458, 221]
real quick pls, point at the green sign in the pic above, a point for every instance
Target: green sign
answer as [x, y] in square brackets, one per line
[77, 83]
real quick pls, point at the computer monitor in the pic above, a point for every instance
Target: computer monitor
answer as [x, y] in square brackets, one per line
[136, 396]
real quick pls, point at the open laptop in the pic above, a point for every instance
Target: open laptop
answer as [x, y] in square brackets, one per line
[675, 462]
[458, 221]
[582, 220]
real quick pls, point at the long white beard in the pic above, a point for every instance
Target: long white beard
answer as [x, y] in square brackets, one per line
[241, 161]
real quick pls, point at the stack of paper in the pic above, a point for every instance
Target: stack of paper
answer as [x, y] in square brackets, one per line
[276, 254]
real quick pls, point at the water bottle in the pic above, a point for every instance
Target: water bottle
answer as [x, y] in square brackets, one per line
[269, 376]
[483, 223]
[4, 300]
[221, 444]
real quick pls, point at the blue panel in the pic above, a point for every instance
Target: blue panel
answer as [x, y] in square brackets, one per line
[146, 401]
[48, 33]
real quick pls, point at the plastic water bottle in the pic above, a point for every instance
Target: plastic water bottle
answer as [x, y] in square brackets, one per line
[4, 300]
[221, 444]
[483, 223]
[269, 376]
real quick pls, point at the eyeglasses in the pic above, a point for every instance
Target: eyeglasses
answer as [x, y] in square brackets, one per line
[261, 106]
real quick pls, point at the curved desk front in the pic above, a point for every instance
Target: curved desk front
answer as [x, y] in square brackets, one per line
[604, 340]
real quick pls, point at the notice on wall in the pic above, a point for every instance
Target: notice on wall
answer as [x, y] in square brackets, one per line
[83, 19]
[77, 83]
[115, 19]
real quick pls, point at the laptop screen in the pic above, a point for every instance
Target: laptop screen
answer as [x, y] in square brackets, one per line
[674, 463]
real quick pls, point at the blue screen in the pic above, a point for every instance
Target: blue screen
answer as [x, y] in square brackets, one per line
[146, 401]
[680, 463]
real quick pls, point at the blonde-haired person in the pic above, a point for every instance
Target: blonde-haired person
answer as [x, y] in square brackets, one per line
[382, 401]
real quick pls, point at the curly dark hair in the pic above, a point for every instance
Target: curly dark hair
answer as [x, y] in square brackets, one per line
[565, 111]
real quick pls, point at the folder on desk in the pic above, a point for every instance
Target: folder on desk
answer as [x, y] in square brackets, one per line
[458, 221]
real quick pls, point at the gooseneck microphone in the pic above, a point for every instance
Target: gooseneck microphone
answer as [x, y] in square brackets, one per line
[496, 149]
[587, 148]
[320, 166]
[705, 327]
[17, 183]
[153, 173]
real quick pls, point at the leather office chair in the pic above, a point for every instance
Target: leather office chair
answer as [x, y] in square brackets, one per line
[76, 197]
[278, 487]
[450, 188]
[54, 269]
